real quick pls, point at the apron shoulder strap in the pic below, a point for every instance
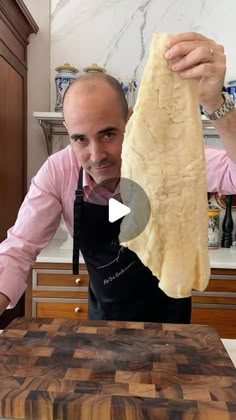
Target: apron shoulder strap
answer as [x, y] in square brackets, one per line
[78, 208]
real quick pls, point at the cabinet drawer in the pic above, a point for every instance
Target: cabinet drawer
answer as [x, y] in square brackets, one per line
[44, 308]
[215, 298]
[223, 320]
[61, 294]
[219, 283]
[57, 293]
[46, 279]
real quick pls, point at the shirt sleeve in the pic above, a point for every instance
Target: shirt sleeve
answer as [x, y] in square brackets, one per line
[37, 222]
[221, 171]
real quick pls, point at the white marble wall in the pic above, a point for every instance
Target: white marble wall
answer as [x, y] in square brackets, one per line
[116, 33]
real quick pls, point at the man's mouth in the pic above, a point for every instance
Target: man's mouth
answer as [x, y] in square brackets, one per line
[100, 168]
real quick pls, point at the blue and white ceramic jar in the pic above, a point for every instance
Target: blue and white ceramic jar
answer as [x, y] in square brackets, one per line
[94, 68]
[66, 75]
[231, 89]
[129, 90]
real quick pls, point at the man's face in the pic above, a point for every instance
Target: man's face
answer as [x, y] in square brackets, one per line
[96, 126]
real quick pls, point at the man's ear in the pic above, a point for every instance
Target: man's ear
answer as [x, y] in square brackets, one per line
[64, 123]
[130, 112]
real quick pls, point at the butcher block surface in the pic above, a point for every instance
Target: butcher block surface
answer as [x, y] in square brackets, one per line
[101, 370]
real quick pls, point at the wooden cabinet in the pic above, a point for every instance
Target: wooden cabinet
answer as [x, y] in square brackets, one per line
[56, 293]
[216, 306]
[16, 24]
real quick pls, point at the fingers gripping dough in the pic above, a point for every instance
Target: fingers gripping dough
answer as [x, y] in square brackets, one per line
[163, 152]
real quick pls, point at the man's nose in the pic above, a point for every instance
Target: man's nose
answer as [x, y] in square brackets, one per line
[97, 152]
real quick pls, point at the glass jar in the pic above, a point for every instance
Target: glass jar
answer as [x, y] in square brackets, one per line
[213, 228]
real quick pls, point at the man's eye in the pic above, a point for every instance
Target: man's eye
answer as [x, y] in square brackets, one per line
[80, 140]
[109, 134]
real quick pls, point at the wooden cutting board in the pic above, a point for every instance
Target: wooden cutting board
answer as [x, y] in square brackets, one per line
[101, 370]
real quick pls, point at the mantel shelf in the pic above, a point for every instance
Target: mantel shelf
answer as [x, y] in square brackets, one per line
[52, 124]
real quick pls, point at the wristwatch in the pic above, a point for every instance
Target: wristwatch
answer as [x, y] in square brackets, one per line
[227, 106]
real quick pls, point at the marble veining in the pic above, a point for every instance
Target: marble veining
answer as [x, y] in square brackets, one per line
[57, 5]
[144, 10]
[203, 7]
[117, 33]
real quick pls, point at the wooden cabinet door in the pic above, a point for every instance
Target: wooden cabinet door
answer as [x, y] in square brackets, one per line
[16, 24]
[12, 144]
[12, 153]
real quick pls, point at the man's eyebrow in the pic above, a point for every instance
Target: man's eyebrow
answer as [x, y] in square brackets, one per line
[77, 136]
[105, 130]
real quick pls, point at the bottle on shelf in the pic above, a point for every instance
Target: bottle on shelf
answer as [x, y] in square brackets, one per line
[228, 223]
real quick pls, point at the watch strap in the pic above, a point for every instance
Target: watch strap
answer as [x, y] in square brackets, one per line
[227, 106]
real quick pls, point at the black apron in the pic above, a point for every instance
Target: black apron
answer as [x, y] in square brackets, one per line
[120, 286]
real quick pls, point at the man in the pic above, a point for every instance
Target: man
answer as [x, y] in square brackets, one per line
[95, 116]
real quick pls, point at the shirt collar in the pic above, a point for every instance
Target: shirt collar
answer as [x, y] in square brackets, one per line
[89, 184]
[87, 180]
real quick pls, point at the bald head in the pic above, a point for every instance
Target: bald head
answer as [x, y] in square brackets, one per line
[94, 83]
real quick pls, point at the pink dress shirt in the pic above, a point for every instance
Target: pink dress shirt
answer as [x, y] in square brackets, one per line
[51, 194]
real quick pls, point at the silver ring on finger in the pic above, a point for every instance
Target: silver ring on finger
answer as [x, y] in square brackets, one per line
[211, 54]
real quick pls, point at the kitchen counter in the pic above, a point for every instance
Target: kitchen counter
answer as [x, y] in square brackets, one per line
[219, 258]
[69, 369]
[54, 254]
[223, 258]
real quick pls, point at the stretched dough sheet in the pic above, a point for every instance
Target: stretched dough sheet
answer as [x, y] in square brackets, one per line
[163, 152]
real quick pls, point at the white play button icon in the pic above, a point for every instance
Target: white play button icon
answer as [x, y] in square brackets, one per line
[117, 210]
[131, 210]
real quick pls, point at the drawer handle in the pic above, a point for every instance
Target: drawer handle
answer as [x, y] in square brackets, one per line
[78, 281]
[77, 309]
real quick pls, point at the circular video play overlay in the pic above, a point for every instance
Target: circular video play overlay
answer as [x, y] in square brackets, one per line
[134, 197]
[127, 202]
